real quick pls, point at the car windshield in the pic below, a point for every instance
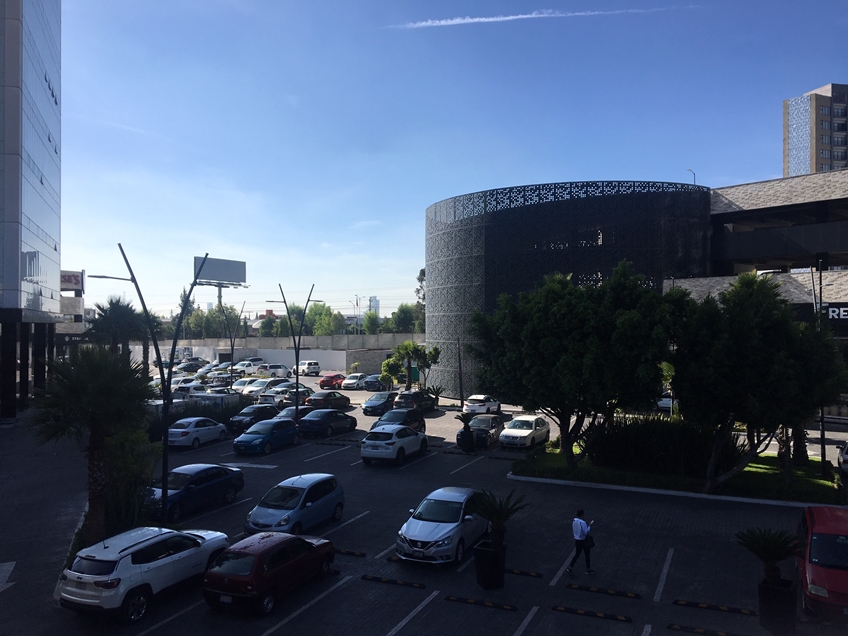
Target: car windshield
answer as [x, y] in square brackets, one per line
[262, 428]
[829, 551]
[521, 425]
[378, 437]
[479, 422]
[176, 481]
[393, 416]
[438, 511]
[93, 567]
[379, 397]
[282, 498]
[287, 412]
[259, 383]
[234, 564]
[250, 410]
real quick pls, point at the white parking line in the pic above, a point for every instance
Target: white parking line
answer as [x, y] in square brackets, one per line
[526, 621]
[338, 450]
[169, 619]
[664, 574]
[249, 465]
[467, 465]
[355, 463]
[347, 522]
[646, 631]
[562, 569]
[410, 616]
[417, 460]
[206, 514]
[466, 564]
[385, 552]
[305, 607]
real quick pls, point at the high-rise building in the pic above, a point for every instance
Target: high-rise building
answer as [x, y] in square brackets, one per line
[30, 194]
[815, 127]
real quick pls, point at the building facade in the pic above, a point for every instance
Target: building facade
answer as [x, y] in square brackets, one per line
[30, 193]
[815, 126]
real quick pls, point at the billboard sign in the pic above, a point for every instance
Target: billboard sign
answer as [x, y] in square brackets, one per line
[221, 271]
[72, 281]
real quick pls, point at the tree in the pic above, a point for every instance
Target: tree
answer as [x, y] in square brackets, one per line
[116, 324]
[96, 395]
[431, 357]
[329, 323]
[402, 320]
[405, 354]
[421, 290]
[267, 326]
[283, 330]
[371, 323]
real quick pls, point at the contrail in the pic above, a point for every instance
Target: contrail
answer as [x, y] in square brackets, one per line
[522, 16]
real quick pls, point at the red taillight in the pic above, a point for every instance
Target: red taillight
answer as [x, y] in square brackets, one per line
[111, 584]
[389, 443]
[184, 434]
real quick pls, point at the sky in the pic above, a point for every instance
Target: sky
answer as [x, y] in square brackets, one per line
[308, 138]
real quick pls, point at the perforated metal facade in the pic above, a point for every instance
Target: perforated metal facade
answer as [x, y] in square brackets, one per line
[504, 241]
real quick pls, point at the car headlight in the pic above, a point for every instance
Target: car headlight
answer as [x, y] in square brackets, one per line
[818, 591]
[256, 441]
[443, 542]
[283, 522]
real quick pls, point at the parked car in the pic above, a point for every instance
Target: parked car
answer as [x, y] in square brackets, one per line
[290, 396]
[263, 437]
[823, 567]
[260, 386]
[842, 458]
[297, 504]
[393, 443]
[328, 400]
[195, 486]
[122, 573]
[194, 431]
[331, 381]
[373, 383]
[525, 431]
[256, 571]
[379, 403]
[486, 429]
[279, 371]
[175, 382]
[188, 367]
[249, 415]
[481, 404]
[440, 529]
[288, 413]
[185, 391]
[309, 367]
[354, 381]
[279, 394]
[246, 367]
[221, 390]
[326, 422]
[408, 417]
[664, 402]
[417, 399]
[205, 369]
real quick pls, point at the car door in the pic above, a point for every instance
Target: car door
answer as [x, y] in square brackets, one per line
[200, 491]
[408, 439]
[155, 564]
[207, 430]
[539, 430]
[474, 528]
[187, 557]
[280, 432]
[315, 501]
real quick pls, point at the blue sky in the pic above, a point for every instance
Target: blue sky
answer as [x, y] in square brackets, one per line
[308, 138]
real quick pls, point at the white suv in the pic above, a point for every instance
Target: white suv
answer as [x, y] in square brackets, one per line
[308, 367]
[123, 572]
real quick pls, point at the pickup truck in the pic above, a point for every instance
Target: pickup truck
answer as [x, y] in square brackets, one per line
[245, 367]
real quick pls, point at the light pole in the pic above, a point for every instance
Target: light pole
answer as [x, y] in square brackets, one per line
[167, 398]
[693, 175]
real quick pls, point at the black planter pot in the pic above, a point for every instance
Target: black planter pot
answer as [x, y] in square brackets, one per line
[778, 605]
[489, 564]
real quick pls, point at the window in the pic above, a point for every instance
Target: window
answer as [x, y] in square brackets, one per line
[824, 110]
[824, 124]
[824, 167]
[839, 97]
[840, 126]
[839, 112]
[839, 155]
[839, 141]
[824, 154]
[825, 139]
[151, 553]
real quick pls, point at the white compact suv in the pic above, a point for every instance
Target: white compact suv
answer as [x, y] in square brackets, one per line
[308, 367]
[122, 573]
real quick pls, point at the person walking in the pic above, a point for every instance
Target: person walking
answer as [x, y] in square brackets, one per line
[582, 542]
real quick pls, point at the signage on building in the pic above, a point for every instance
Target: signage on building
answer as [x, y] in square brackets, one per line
[72, 281]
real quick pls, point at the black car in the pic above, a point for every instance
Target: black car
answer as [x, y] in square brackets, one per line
[487, 430]
[193, 487]
[415, 399]
[372, 383]
[379, 403]
[407, 417]
[326, 422]
[288, 413]
[249, 415]
[328, 400]
[189, 367]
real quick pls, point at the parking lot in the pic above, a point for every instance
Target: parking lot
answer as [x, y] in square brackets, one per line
[658, 560]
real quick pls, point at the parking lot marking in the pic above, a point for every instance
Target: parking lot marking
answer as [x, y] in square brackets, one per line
[206, 514]
[249, 465]
[385, 552]
[305, 607]
[382, 579]
[581, 612]
[711, 606]
[474, 601]
[695, 630]
[646, 631]
[535, 575]
[466, 465]
[416, 461]
[664, 574]
[355, 463]
[410, 616]
[602, 590]
[526, 621]
[347, 522]
[350, 552]
[170, 618]
[561, 571]
[338, 450]
[466, 564]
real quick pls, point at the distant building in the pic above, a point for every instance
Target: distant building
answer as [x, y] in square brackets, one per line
[815, 126]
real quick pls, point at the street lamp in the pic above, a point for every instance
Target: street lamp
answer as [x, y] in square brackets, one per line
[693, 175]
[167, 398]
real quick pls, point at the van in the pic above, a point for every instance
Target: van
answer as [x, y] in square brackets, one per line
[309, 367]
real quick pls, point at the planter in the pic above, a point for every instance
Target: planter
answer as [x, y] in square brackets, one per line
[489, 564]
[777, 606]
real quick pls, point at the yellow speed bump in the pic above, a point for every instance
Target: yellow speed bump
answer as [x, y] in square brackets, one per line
[380, 579]
[603, 590]
[350, 552]
[472, 601]
[581, 612]
[697, 630]
[718, 608]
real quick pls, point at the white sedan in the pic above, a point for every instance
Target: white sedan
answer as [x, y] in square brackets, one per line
[194, 431]
[354, 381]
[392, 442]
[525, 431]
[481, 404]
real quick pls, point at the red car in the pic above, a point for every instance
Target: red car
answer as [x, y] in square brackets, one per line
[823, 568]
[332, 381]
[256, 571]
[328, 400]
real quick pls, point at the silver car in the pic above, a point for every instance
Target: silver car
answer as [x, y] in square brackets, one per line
[441, 529]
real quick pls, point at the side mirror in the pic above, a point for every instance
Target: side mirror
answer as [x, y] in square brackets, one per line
[468, 518]
[411, 510]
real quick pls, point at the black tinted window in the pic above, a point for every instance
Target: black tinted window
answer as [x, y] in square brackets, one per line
[93, 567]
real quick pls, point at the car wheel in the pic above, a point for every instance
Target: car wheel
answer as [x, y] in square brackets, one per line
[423, 448]
[175, 513]
[460, 551]
[337, 511]
[532, 443]
[297, 528]
[296, 440]
[326, 567]
[366, 461]
[352, 426]
[400, 457]
[195, 444]
[222, 435]
[229, 495]
[135, 604]
[266, 603]
[329, 431]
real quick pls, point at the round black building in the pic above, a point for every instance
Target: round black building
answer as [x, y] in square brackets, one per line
[504, 241]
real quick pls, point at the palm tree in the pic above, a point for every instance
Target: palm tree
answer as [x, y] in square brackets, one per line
[497, 510]
[116, 323]
[93, 395]
[771, 547]
[408, 352]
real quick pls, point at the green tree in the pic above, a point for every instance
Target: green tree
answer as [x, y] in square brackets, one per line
[329, 323]
[431, 357]
[92, 395]
[283, 329]
[116, 324]
[268, 326]
[371, 322]
[403, 319]
[405, 354]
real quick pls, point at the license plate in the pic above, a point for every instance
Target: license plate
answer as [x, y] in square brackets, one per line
[226, 599]
[373, 448]
[418, 553]
[79, 585]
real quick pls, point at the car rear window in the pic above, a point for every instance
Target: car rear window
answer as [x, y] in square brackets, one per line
[179, 425]
[262, 428]
[234, 564]
[393, 416]
[93, 567]
[473, 401]
[378, 437]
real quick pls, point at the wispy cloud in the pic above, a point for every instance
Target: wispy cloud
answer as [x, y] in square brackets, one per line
[523, 16]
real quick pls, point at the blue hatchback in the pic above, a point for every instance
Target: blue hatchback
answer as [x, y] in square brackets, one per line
[265, 436]
[297, 504]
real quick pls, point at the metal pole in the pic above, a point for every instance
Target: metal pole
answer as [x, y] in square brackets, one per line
[296, 343]
[821, 408]
[459, 368]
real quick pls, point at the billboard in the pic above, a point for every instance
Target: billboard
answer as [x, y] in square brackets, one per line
[73, 281]
[221, 271]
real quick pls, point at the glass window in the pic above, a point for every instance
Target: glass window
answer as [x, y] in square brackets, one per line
[151, 553]
[824, 167]
[825, 139]
[839, 155]
[839, 112]
[824, 110]
[234, 563]
[829, 551]
[824, 124]
[824, 154]
[839, 141]
[840, 126]
[94, 567]
[180, 543]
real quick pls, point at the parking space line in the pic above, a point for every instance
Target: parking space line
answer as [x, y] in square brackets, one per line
[170, 618]
[417, 460]
[338, 450]
[663, 576]
[206, 514]
[561, 571]
[305, 607]
[646, 631]
[347, 522]
[467, 465]
[466, 564]
[385, 552]
[411, 615]
[355, 463]
[526, 621]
